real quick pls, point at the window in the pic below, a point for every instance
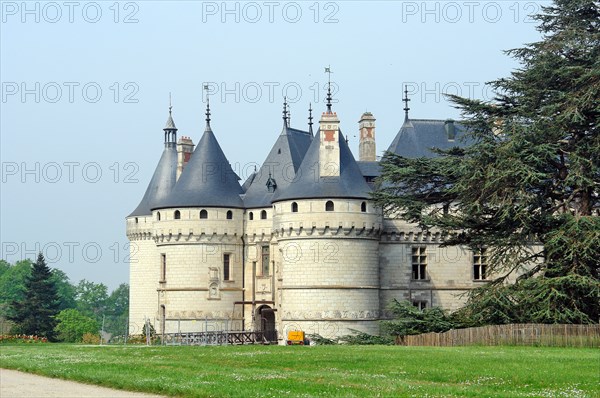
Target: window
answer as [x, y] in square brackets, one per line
[419, 263]
[203, 214]
[136, 220]
[158, 215]
[480, 265]
[329, 206]
[163, 268]
[226, 275]
[251, 216]
[177, 215]
[265, 258]
[263, 215]
[229, 215]
[294, 207]
[420, 304]
[363, 207]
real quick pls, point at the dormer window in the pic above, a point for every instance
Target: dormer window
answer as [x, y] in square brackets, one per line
[271, 184]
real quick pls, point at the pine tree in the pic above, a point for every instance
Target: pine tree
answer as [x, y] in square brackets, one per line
[528, 188]
[35, 314]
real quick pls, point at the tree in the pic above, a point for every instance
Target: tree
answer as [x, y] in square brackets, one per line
[532, 176]
[91, 298]
[409, 320]
[72, 325]
[34, 314]
[117, 310]
[64, 288]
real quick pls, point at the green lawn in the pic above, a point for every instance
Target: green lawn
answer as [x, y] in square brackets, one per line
[338, 371]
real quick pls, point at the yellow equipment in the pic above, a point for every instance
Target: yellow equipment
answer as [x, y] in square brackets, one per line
[296, 337]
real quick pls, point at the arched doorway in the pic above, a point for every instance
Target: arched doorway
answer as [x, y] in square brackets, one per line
[266, 322]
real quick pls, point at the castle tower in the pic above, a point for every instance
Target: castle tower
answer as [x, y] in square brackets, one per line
[327, 232]
[198, 234]
[366, 147]
[144, 266]
[262, 260]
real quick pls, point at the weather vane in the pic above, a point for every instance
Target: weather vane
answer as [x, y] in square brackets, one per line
[329, 72]
[207, 105]
[406, 100]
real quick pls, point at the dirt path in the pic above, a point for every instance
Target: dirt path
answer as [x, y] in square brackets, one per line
[15, 384]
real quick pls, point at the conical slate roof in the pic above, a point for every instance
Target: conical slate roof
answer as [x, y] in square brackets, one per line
[170, 123]
[207, 180]
[281, 164]
[307, 184]
[161, 184]
[417, 137]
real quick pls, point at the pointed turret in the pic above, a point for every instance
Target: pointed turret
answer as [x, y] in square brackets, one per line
[165, 174]
[279, 168]
[208, 179]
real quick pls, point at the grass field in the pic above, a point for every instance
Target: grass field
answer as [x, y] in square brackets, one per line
[332, 371]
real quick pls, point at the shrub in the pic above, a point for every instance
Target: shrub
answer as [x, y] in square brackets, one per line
[90, 338]
[72, 325]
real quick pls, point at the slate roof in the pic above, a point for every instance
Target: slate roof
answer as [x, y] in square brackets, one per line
[369, 168]
[207, 180]
[349, 184]
[163, 180]
[281, 164]
[417, 136]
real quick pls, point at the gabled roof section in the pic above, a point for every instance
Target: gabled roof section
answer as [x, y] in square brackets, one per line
[161, 184]
[282, 163]
[417, 137]
[308, 184]
[207, 180]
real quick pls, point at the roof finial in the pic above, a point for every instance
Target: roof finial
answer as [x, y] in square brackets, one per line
[406, 100]
[310, 118]
[170, 106]
[328, 71]
[285, 112]
[207, 107]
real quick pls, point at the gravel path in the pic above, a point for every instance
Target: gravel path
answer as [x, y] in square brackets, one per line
[15, 384]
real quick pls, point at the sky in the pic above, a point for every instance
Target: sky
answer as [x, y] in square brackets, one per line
[86, 85]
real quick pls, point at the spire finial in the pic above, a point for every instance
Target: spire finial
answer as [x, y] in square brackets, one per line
[329, 72]
[406, 100]
[310, 118]
[285, 112]
[207, 107]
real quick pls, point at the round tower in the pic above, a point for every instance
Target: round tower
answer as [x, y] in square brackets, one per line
[328, 237]
[197, 230]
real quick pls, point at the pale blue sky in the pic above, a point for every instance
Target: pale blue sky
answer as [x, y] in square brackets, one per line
[64, 134]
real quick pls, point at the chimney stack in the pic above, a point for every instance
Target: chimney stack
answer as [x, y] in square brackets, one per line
[366, 148]
[185, 147]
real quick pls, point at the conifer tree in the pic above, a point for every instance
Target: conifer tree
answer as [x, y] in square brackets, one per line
[528, 188]
[35, 313]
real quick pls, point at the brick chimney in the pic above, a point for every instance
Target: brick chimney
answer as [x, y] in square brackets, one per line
[366, 146]
[185, 147]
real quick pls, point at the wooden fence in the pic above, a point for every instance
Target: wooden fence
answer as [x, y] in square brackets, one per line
[513, 334]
